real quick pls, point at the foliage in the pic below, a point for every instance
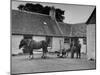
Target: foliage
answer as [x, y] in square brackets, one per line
[42, 9]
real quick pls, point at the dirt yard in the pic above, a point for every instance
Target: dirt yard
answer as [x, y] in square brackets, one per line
[21, 64]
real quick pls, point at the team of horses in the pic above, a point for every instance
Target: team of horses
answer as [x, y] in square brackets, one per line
[34, 45]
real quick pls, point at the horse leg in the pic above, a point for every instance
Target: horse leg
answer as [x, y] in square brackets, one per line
[31, 54]
[42, 55]
[77, 54]
[67, 53]
[72, 55]
[45, 55]
[44, 52]
[64, 55]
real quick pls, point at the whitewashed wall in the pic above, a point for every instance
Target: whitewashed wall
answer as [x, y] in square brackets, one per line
[15, 41]
[57, 43]
[91, 41]
[66, 45]
[39, 38]
[83, 46]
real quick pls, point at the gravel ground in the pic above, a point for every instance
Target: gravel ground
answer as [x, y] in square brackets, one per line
[21, 64]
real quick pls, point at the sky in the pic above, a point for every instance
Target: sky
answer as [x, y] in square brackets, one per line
[73, 13]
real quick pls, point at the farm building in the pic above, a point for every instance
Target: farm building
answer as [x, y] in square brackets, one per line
[91, 35]
[66, 32]
[74, 32]
[38, 27]
[78, 31]
[42, 27]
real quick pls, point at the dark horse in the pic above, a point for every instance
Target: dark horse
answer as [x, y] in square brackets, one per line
[32, 44]
[75, 48]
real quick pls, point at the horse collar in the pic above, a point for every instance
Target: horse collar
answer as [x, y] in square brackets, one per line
[29, 42]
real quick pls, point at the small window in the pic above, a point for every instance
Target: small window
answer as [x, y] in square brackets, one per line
[66, 40]
[27, 36]
[84, 41]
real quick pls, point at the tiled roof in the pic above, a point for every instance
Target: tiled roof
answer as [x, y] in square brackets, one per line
[92, 18]
[78, 30]
[33, 23]
[66, 29]
[73, 30]
[39, 24]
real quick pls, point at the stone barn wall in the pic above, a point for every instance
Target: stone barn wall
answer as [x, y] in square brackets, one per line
[39, 38]
[83, 46]
[66, 45]
[57, 44]
[91, 41]
[15, 41]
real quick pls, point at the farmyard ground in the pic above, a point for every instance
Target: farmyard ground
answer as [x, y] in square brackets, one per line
[21, 64]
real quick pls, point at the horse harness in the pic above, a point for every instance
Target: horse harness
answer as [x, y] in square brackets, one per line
[29, 42]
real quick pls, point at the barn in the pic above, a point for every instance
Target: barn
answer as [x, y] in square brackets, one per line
[66, 32]
[91, 35]
[43, 27]
[78, 31]
[35, 26]
[74, 32]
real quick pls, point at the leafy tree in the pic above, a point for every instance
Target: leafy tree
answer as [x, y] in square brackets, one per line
[42, 9]
[21, 7]
[59, 14]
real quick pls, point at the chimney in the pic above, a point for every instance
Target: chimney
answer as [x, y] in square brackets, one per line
[52, 12]
[53, 16]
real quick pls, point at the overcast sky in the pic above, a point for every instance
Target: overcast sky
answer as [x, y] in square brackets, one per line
[73, 13]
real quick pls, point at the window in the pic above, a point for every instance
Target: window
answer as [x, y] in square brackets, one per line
[27, 36]
[84, 41]
[66, 40]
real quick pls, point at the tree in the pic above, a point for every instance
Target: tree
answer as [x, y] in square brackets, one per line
[59, 14]
[21, 7]
[42, 9]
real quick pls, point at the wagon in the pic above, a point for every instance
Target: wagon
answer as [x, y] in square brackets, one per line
[62, 53]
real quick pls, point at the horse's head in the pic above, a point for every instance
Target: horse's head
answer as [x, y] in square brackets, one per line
[23, 42]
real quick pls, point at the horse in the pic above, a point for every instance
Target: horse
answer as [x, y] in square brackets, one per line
[32, 44]
[75, 48]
